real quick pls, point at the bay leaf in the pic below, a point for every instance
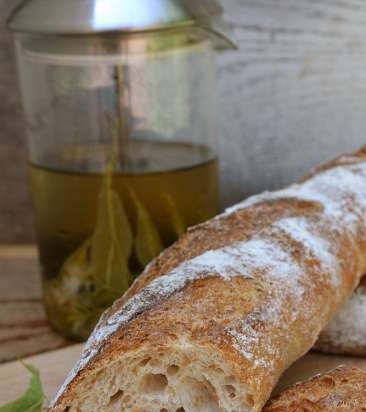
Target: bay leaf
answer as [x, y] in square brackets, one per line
[98, 272]
[32, 399]
[148, 243]
[175, 219]
[112, 242]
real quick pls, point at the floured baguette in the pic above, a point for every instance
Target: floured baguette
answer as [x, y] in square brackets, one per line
[342, 390]
[214, 321]
[346, 333]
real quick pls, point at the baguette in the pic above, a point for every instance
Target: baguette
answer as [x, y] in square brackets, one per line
[346, 333]
[342, 390]
[213, 322]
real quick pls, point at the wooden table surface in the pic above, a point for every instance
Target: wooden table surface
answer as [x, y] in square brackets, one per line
[24, 329]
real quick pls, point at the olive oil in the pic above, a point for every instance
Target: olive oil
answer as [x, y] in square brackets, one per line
[97, 232]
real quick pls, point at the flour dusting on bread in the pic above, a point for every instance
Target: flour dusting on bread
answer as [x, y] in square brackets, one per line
[331, 188]
[315, 247]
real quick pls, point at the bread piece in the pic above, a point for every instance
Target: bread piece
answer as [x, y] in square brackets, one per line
[214, 321]
[342, 390]
[346, 333]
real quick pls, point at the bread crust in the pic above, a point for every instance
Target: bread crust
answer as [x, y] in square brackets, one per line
[346, 333]
[341, 390]
[253, 287]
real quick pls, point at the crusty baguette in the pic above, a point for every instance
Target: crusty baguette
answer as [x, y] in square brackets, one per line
[213, 322]
[342, 390]
[346, 333]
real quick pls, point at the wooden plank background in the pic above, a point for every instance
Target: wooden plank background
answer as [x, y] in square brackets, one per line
[15, 215]
[291, 97]
[24, 329]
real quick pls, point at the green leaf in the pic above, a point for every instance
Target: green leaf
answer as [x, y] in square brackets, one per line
[98, 272]
[32, 400]
[104, 257]
[112, 242]
[175, 219]
[148, 244]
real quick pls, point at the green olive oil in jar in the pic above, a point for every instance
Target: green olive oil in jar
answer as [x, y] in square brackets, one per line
[98, 229]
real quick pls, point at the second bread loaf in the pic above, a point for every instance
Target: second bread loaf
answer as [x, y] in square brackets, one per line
[346, 333]
[341, 390]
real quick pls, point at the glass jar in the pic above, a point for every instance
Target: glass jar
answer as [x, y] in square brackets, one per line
[123, 158]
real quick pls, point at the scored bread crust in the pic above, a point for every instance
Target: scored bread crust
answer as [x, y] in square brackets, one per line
[213, 322]
[346, 332]
[341, 390]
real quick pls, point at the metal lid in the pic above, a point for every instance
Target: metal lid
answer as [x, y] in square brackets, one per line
[63, 17]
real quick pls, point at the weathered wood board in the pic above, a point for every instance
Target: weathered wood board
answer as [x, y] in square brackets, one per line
[294, 94]
[24, 329]
[54, 367]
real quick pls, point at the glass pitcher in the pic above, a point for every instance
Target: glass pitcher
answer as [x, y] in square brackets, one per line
[122, 153]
